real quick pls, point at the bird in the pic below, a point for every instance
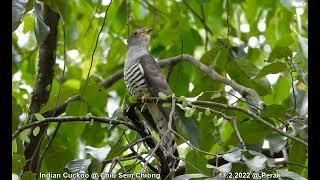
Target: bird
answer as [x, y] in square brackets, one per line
[143, 77]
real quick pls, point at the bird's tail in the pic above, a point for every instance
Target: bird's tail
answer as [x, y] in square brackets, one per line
[160, 116]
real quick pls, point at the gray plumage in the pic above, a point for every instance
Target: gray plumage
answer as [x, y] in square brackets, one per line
[143, 77]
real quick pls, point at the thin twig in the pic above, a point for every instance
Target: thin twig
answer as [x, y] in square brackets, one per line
[170, 70]
[235, 127]
[206, 31]
[95, 47]
[140, 157]
[128, 17]
[46, 149]
[95, 12]
[228, 17]
[294, 95]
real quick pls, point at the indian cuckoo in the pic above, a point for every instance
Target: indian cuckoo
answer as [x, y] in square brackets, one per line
[143, 77]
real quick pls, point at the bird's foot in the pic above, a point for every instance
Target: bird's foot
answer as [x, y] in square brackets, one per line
[144, 97]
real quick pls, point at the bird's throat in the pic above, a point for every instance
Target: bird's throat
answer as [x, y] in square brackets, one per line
[134, 52]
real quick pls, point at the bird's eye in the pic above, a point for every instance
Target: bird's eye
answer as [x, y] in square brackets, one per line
[135, 33]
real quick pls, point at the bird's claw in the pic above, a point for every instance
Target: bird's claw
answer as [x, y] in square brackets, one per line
[143, 99]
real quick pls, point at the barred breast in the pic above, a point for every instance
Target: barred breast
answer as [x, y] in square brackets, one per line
[134, 80]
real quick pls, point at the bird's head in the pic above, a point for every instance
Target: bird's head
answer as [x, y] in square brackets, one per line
[140, 37]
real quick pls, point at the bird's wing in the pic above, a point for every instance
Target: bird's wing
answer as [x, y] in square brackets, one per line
[153, 75]
[156, 81]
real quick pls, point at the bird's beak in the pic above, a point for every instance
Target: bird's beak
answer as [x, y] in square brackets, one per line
[147, 31]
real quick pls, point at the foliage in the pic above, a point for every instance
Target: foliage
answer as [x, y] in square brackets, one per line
[258, 44]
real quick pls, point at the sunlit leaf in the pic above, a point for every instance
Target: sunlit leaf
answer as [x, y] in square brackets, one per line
[78, 165]
[40, 28]
[36, 131]
[98, 153]
[18, 9]
[257, 163]
[291, 175]
[272, 69]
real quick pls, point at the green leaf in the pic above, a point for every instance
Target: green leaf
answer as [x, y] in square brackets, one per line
[279, 32]
[185, 104]
[65, 94]
[36, 131]
[199, 116]
[243, 71]
[226, 130]
[274, 111]
[18, 162]
[24, 135]
[162, 96]
[207, 112]
[289, 174]
[281, 91]
[188, 112]
[280, 52]
[276, 143]
[233, 157]
[76, 109]
[18, 9]
[41, 30]
[39, 117]
[115, 151]
[78, 165]
[301, 128]
[207, 133]
[95, 95]
[88, 115]
[103, 125]
[93, 135]
[215, 59]
[272, 69]
[197, 160]
[188, 127]
[253, 132]
[16, 112]
[182, 98]
[133, 99]
[98, 153]
[226, 168]
[167, 104]
[28, 175]
[180, 78]
[298, 155]
[257, 163]
[303, 44]
[14, 146]
[65, 145]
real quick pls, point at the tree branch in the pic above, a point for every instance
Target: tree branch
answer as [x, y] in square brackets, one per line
[225, 106]
[164, 168]
[42, 86]
[249, 94]
[72, 119]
